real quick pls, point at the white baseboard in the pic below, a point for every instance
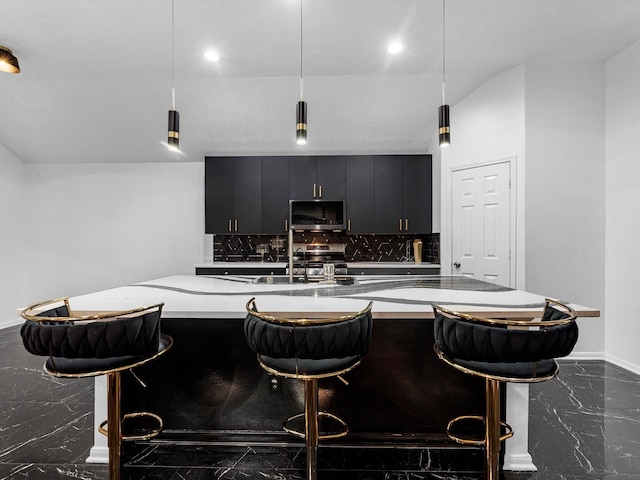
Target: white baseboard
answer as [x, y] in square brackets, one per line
[519, 463]
[98, 455]
[10, 323]
[585, 356]
[623, 364]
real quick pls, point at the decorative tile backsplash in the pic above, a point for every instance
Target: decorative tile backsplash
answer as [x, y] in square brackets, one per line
[359, 248]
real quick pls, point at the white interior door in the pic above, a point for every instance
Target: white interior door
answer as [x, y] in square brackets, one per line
[480, 224]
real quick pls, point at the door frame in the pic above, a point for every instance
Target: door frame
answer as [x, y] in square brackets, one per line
[446, 239]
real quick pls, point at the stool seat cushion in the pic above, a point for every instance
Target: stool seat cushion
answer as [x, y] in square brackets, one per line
[103, 339]
[305, 366]
[88, 366]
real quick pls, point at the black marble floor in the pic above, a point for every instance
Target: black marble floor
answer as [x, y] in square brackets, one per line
[585, 424]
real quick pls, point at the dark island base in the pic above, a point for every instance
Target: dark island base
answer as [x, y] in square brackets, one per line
[211, 393]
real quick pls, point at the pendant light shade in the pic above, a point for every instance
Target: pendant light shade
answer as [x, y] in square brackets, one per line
[173, 139]
[443, 124]
[301, 109]
[173, 134]
[8, 61]
[301, 123]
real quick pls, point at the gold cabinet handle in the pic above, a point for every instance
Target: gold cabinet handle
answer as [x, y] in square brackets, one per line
[349, 225]
[314, 190]
[400, 225]
[229, 224]
[235, 222]
[286, 225]
[320, 191]
[406, 224]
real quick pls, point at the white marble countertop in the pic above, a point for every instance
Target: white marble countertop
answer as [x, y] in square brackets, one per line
[394, 296]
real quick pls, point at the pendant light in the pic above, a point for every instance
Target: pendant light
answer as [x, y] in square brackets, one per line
[444, 130]
[8, 61]
[173, 136]
[301, 109]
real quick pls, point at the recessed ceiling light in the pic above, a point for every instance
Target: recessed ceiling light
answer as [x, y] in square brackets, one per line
[394, 47]
[211, 56]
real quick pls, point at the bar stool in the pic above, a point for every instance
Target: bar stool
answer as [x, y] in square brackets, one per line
[102, 344]
[309, 349]
[502, 351]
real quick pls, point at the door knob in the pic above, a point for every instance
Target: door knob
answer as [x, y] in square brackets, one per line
[456, 264]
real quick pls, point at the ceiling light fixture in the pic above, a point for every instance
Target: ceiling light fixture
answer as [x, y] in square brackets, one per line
[8, 61]
[394, 47]
[301, 110]
[173, 136]
[211, 56]
[444, 130]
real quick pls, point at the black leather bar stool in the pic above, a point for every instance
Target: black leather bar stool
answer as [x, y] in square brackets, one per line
[91, 345]
[500, 350]
[309, 349]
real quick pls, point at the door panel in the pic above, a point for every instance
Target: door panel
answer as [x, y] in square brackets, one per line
[481, 214]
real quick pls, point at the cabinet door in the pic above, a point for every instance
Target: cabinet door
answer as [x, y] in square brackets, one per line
[416, 187]
[303, 175]
[246, 195]
[331, 177]
[218, 195]
[275, 194]
[388, 194]
[360, 194]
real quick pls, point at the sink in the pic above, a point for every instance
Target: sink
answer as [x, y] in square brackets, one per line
[284, 279]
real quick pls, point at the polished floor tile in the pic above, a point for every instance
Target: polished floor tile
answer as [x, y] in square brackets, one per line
[584, 425]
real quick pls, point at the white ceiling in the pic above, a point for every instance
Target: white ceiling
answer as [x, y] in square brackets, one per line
[96, 74]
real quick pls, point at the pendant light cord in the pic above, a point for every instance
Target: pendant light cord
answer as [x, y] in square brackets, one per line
[301, 50]
[173, 58]
[443, 54]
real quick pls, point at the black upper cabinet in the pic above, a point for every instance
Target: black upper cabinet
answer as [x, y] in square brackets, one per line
[317, 177]
[233, 195]
[416, 190]
[402, 194]
[388, 194]
[383, 193]
[360, 194]
[275, 194]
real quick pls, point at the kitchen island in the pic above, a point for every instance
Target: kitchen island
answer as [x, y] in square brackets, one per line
[209, 388]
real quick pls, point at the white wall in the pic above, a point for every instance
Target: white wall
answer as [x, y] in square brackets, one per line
[93, 227]
[549, 117]
[486, 126]
[623, 219]
[13, 218]
[565, 214]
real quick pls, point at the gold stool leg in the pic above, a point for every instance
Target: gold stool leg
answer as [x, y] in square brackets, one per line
[114, 426]
[492, 429]
[311, 426]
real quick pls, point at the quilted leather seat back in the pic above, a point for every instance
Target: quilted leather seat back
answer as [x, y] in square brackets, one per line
[316, 342]
[136, 335]
[481, 342]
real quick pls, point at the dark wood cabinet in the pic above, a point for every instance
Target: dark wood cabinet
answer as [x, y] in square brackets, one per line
[402, 194]
[317, 177]
[383, 193]
[416, 193]
[233, 195]
[360, 194]
[275, 195]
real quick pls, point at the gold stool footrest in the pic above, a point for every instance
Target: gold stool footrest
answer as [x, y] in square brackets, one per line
[475, 441]
[344, 428]
[152, 433]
